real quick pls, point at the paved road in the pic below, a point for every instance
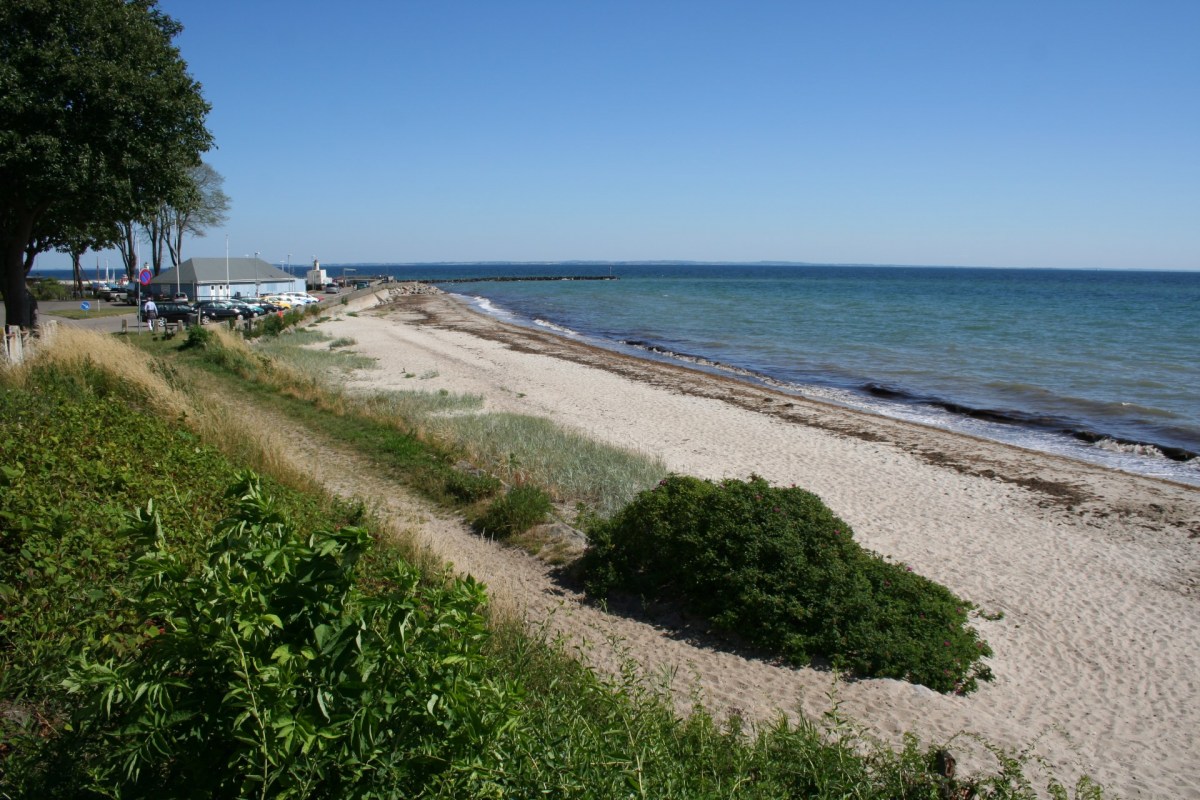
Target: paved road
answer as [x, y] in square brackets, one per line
[113, 324]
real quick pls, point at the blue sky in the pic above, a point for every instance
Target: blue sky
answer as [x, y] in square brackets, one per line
[1024, 134]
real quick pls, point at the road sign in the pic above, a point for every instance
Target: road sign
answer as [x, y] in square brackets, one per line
[85, 306]
[144, 277]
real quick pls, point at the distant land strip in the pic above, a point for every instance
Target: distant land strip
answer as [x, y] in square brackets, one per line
[520, 278]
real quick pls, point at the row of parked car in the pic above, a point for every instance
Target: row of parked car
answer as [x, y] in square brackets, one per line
[182, 310]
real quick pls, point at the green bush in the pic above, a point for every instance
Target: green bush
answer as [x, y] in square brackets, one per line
[272, 325]
[470, 486]
[776, 566]
[518, 510]
[49, 289]
[269, 668]
[198, 337]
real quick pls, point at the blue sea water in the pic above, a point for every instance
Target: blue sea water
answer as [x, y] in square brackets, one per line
[1097, 365]
[1092, 364]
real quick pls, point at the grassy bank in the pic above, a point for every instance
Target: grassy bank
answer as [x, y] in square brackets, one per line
[432, 695]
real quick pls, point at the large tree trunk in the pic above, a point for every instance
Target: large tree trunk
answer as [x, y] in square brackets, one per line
[175, 242]
[157, 231]
[13, 241]
[127, 247]
[77, 264]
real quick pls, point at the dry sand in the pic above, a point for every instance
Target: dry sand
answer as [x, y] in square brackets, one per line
[1096, 572]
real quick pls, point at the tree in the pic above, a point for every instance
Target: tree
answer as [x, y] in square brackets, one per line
[127, 246]
[205, 206]
[199, 204]
[100, 122]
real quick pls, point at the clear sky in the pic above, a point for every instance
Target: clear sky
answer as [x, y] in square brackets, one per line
[1045, 133]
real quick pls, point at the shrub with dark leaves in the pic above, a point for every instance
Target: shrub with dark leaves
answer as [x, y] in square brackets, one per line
[776, 566]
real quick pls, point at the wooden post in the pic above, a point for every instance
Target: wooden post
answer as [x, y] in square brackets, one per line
[13, 346]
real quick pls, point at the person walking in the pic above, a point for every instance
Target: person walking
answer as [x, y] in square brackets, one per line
[150, 312]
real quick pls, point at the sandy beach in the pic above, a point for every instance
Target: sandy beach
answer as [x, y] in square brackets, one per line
[1096, 573]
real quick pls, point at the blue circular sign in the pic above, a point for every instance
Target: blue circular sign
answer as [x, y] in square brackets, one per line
[144, 277]
[85, 306]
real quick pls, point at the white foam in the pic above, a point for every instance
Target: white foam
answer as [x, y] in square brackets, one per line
[541, 323]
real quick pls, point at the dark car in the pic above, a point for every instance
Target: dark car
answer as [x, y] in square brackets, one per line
[172, 311]
[218, 309]
[249, 308]
[268, 306]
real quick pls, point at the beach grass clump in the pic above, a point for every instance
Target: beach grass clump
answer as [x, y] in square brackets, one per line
[301, 349]
[514, 512]
[526, 449]
[471, 485]
[778, 568]
[415, 407]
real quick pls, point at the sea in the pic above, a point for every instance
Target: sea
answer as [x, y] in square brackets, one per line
[1101, 366]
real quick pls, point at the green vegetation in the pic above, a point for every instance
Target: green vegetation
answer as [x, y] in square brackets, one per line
[521, 448]
[48, 289]
[214, 645]
[102, 125]
[776, 566]
[515, 447]
[293, 679]
[517, 511]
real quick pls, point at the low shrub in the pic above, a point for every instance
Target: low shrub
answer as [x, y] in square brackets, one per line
[518, 510]
[471, 486]
[272, 325]
[269, 668]
[49, 289]
[198, 337]
[776, 566]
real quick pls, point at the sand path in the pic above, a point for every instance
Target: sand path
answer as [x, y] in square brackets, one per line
[1097, 573]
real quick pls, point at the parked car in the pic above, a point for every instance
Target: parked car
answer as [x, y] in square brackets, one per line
[172, 311]
[249, 307]
[301, 297]
[280, 301]
[110, 292]
[218, 309]
[271, 306]
[332, 289]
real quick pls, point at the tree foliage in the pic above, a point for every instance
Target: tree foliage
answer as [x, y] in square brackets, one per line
[99, 122]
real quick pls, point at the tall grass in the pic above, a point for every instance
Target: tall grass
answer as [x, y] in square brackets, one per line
[521, 448]
[516, 448]
[314, 353]
[113, 366]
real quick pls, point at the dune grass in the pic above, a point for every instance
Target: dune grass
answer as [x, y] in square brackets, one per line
[96, 428]
[516, 448]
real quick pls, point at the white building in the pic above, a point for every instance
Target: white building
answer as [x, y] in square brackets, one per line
[215, 278]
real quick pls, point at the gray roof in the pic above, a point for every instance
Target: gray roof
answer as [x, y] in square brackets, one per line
[213, 270]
